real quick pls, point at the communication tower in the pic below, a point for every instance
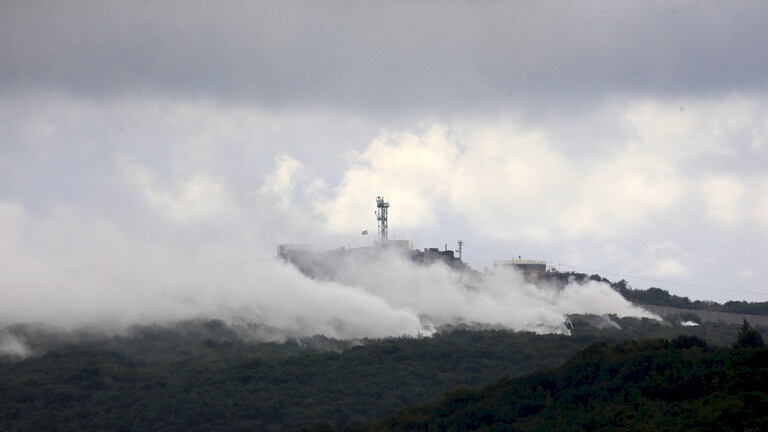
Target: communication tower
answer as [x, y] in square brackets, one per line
[381, 216]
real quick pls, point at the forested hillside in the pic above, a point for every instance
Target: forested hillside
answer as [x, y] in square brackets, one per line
[661, 297]
[201, 376]
[676, 385]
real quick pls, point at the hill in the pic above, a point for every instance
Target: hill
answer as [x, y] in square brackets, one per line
[682, 384]
[202, 376]
[210, 375]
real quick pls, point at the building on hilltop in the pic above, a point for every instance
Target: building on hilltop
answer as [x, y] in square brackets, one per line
[433, 255]
[316, 263]
[526, 266]
[286, 250]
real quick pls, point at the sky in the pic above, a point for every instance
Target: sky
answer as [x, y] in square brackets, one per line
[148, 145]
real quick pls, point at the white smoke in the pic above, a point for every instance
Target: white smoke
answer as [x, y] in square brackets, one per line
[361, 296]
[358, 294]
[503, 298]
[11, 346]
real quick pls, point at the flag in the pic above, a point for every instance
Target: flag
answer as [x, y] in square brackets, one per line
[365, 232]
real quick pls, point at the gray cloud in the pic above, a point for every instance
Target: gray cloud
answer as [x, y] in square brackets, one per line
[382, 56]
[159, 144]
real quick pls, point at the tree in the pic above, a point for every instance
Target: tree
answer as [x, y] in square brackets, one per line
[749, 337]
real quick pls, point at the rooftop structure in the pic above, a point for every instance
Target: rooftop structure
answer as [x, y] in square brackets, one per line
[316, 264]
[523, 265]
[292, 249]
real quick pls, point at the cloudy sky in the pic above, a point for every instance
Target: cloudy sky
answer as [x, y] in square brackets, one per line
[169, 141]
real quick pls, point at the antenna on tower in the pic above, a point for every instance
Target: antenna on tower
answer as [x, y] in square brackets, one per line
[461, 243]
[381, 216]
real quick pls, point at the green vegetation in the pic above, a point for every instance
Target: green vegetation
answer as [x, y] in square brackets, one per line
[658, 384]
[749, 337]
[204, 376]
[208, 375]
[230, 386]
[661, 297]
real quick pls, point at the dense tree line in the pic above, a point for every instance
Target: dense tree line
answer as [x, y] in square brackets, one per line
[661, 297]
[678, 384]
[201, 376]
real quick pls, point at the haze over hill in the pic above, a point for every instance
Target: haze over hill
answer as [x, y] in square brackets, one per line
[385, 295]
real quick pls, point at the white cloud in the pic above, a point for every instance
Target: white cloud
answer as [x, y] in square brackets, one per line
[660, 260]
[12, 221]
[760, 210]
[507, 180]
[515, 181]
[679, 129]
[413, 169]
[725, 198]
[618, 194]
[199, 198]
[217, 181]
[632, 142]
[510, 181]
[281, 182]
[669, 267]
[749, 274]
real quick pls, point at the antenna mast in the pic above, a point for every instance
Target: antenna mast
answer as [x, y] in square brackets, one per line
[381, 216]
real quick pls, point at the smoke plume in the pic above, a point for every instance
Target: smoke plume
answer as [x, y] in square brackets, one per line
[343, 294]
